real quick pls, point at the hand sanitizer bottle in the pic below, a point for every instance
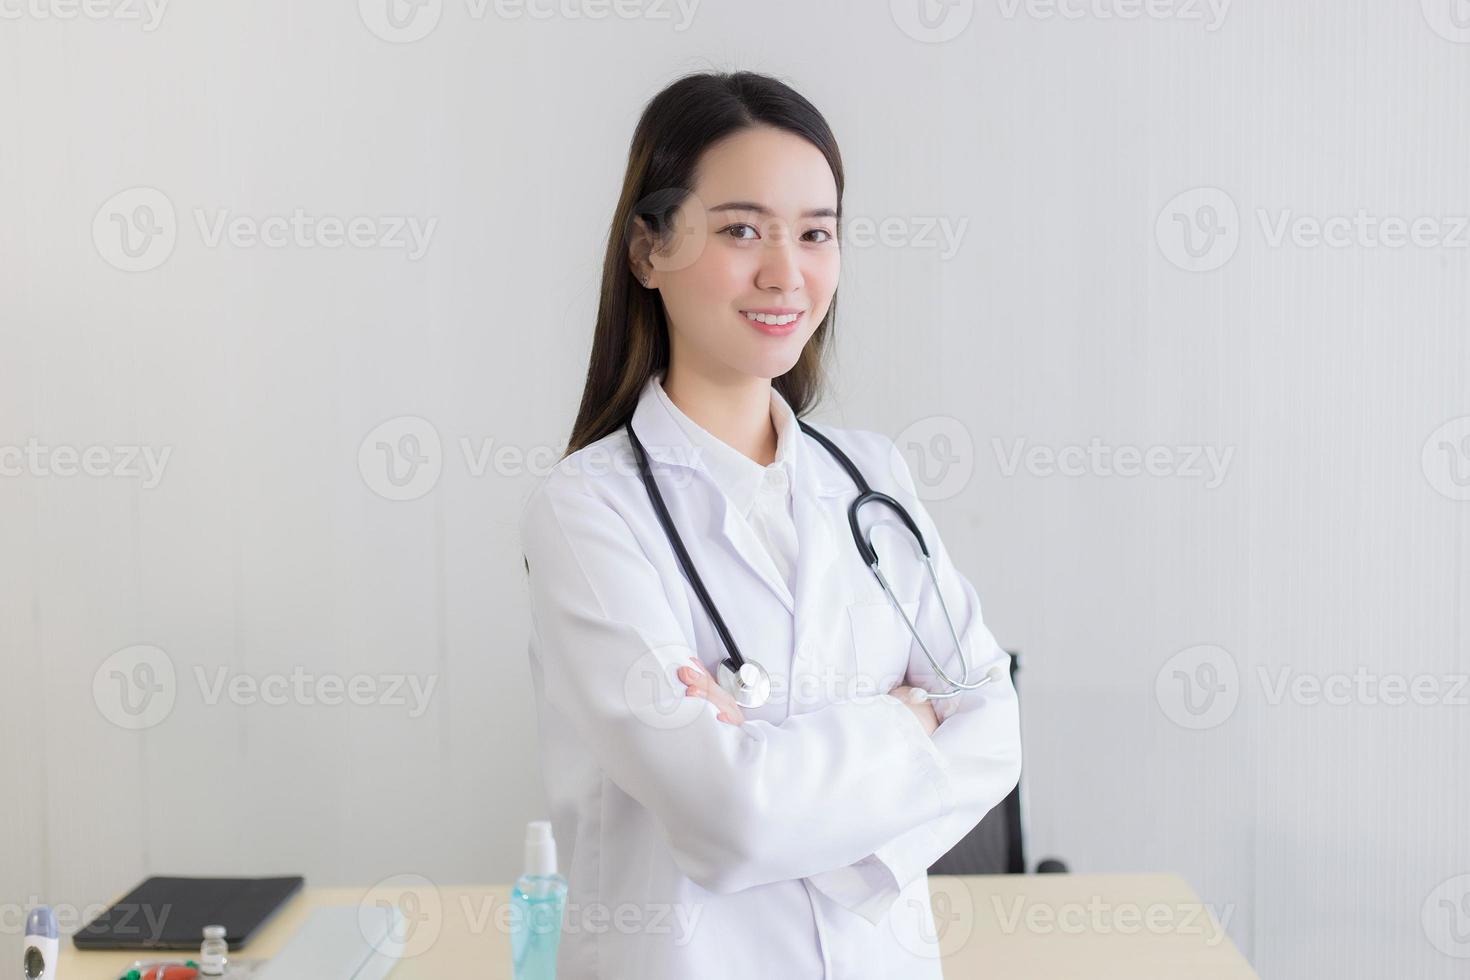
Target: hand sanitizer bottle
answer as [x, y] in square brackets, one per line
[538, 902]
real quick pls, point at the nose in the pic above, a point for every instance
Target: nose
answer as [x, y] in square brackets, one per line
[780, 266]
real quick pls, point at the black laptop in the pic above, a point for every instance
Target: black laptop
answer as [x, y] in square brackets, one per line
[171, 913]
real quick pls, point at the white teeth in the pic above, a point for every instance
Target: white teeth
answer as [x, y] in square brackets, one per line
[775, 321]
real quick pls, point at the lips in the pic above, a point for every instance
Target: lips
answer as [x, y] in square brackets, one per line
[776, 329]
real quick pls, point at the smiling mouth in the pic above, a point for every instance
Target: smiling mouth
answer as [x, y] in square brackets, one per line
[774, 323]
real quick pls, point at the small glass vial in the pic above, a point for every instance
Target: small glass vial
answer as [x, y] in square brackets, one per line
[213, 952]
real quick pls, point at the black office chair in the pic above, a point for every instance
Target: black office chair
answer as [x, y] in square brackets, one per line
[995, 846]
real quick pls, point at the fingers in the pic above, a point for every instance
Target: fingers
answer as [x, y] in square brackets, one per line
[696, 682]
[693, 680]
[699, 684]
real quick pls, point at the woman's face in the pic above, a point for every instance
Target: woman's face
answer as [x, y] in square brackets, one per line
[758, 235]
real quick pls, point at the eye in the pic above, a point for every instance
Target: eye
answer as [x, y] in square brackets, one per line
[825, 235]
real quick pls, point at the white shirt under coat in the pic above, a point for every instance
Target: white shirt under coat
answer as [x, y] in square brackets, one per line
[761, 495]
[796, 844]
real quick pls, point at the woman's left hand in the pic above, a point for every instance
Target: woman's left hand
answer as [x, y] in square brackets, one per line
[701, 684]
[923, 710]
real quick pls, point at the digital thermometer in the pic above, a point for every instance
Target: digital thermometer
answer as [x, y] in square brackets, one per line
[42, 949]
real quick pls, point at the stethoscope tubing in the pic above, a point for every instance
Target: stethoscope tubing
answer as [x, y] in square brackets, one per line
[866, 495]
[685, 562]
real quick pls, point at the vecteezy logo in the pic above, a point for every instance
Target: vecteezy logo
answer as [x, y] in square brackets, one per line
[135, 230]
[939, 927]
[1446, 459]
[1198, 687]
[1199, 230]
[402, 458]
[135, 687]
[932, 21]
[940, 456]
[420, 913]
[653, 692]
[1445, 917]
[677, 223]
[400, 21]
[1450, 19]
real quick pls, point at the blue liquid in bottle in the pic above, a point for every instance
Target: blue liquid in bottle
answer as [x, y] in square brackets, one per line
[538, 901]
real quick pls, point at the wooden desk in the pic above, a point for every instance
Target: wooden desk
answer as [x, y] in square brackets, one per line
[1007, 927]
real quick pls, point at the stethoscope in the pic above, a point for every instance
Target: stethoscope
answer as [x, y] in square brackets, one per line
[747, 681]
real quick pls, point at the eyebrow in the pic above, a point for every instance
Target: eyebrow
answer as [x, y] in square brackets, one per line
[762, 209]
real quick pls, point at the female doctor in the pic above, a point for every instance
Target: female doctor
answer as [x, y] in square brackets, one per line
[788, 836]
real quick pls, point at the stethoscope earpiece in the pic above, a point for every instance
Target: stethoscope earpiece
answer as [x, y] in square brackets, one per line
[918, 695]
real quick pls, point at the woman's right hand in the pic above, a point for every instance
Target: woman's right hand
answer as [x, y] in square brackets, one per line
[699, 684]
[923, 710]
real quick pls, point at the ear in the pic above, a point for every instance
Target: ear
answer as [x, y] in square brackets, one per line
[640, 248]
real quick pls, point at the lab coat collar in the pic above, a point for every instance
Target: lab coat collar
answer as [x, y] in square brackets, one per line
[666, 441]
[736, 473]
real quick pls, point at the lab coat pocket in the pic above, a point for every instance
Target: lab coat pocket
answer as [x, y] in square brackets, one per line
[881, 643]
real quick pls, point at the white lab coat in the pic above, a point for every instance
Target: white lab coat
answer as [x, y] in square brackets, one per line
[795, 845]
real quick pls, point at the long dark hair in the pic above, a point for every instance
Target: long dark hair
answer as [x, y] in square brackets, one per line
[632, 341]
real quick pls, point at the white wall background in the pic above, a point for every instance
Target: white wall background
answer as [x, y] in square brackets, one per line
[1333, 836]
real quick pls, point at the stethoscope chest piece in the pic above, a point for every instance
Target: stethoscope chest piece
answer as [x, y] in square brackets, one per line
[750, 686]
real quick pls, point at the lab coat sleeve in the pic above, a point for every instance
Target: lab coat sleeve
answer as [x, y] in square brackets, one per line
[979, 733]
[739, 806]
